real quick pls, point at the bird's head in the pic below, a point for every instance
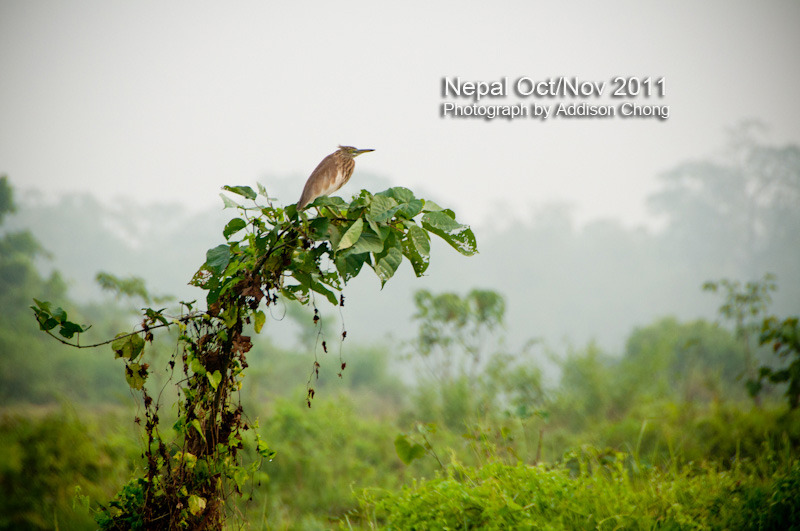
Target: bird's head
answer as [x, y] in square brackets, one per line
[353, 152]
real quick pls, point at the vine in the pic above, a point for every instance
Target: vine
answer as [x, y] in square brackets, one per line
[269, 253]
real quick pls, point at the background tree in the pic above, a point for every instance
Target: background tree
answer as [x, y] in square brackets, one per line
[741, 209]
[461, 342]
[745, 306]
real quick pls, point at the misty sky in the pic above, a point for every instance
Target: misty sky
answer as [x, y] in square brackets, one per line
[169, 101]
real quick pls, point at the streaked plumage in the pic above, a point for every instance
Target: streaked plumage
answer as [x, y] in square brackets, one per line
[331, 174]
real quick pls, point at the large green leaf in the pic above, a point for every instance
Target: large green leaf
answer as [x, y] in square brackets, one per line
[382, 208]
[381, 229]
[411, 209]
[399, 193]
[417, 248]
[349, 264]
[410, 206]
[352, 235]
[459, 236]
[387, 262]
[369, 242]
[217, 259]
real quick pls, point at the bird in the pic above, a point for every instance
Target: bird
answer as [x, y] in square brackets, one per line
[330, 174]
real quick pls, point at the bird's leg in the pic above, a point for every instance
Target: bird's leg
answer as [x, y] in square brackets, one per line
[336, 212]
[333, 210]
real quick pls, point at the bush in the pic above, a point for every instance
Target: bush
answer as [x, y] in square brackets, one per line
[47, 461]
[590, 489]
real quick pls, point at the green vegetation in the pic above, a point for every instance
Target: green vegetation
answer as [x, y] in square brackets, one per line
[447, 428]
[270, 254]
[594, 491]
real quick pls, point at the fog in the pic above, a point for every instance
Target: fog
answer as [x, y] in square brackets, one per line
[120, 123]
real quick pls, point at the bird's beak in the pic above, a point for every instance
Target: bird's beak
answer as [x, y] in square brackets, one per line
[360, 151]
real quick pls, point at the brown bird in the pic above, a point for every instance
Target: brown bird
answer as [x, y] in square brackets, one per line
[331, 174]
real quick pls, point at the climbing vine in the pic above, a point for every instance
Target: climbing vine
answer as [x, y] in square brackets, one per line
[270, 253]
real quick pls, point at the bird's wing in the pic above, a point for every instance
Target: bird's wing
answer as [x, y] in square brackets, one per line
[319, 182]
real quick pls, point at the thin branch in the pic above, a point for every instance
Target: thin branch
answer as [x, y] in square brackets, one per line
[78, 345]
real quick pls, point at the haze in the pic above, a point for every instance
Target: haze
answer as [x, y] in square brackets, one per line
[145, 104]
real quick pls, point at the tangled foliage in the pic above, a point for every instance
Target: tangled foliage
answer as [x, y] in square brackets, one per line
[270, 252]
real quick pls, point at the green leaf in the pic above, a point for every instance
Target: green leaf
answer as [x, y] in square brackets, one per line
[228, 202]
[46, 322]
[401, 194]
[196, 425]
[352, 235]
[49, 319]
[214, 378]
[135, 375]
[410, 206]
[229, 315]
[217, 259]
[459, 236]
[382, 208]
[156, 315]
[233, 226]
[127, 346]
[349, 264]
[244, 191]
[334, 201]
[363, 200]
[240, 477]
[60, 315]
[406, 451]
[261, 318]
[417, 248]
[430, 206]
[334, 235]
[387, 262]
[411, 209]
[69, 329]
[369, 242]
[264, 450]
[381, 229]
[319, 227]
[197, 504]
[44, 305]
[196, 366]
[322, 290]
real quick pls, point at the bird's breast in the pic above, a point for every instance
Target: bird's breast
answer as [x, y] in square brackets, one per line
[336, 183]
